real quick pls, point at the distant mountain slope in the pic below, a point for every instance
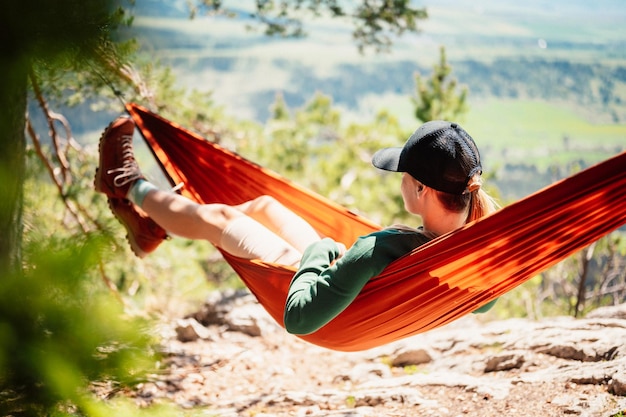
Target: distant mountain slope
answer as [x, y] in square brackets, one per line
[501, 51]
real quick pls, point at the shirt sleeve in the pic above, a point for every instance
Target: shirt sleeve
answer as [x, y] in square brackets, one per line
[323, 288]
[485, 308]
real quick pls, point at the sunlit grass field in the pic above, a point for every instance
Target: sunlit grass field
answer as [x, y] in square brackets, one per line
[542, 133]
[531, 132]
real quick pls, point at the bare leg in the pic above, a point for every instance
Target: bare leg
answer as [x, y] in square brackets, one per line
[280, 220]
[224, 226]
[186, 218]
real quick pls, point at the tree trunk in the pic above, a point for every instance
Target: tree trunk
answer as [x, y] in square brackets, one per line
[585, 257]
[13, 93]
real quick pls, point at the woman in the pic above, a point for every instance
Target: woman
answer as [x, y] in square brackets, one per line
[441, 183]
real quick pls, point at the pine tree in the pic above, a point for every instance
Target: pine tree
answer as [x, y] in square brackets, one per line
[438, 97]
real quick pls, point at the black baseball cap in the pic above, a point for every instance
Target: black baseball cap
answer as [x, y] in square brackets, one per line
[440, 154]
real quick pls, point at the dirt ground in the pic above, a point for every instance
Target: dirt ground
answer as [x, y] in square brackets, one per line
[220, 372]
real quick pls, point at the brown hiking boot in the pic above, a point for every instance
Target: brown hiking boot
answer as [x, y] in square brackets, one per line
[118, 169]
[143, 234]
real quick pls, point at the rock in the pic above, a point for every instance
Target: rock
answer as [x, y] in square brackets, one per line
[363, 372]
[244, 320]
[493, 387]
[189, 330]
[609, 312]
[584, 340]
[238, 311]
[617, 384]
[407, 357]
[234, 359]
[580, 405]
[505, 362]
[376, 397]
[219, 303]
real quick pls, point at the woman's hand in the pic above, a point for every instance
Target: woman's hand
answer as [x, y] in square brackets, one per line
[342, 249]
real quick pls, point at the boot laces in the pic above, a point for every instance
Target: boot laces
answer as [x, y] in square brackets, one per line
[129, 171]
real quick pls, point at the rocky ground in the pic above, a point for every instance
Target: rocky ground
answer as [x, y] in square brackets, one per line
[231, 359]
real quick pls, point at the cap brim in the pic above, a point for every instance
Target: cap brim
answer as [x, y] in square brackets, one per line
[387, 159]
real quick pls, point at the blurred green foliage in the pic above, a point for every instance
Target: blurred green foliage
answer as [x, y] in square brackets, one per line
[375, 23]
[59, 330]
[438, 97]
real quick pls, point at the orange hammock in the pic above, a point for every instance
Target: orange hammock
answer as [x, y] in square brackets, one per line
[431, 286]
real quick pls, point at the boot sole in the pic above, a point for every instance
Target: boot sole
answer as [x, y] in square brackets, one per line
[97, 181]
[134, 246]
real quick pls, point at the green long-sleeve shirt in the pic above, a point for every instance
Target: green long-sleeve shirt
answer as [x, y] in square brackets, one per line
[323, 288]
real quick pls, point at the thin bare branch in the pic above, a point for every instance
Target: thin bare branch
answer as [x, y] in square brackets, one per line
[64, 165]
[59, 185]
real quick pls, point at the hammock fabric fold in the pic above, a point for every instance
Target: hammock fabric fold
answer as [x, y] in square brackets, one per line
[431, 286]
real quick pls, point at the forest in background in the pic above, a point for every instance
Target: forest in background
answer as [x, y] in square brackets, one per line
[546, 81]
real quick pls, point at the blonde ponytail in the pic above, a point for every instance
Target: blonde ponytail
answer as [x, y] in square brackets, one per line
[481, 204]
[475, 200]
